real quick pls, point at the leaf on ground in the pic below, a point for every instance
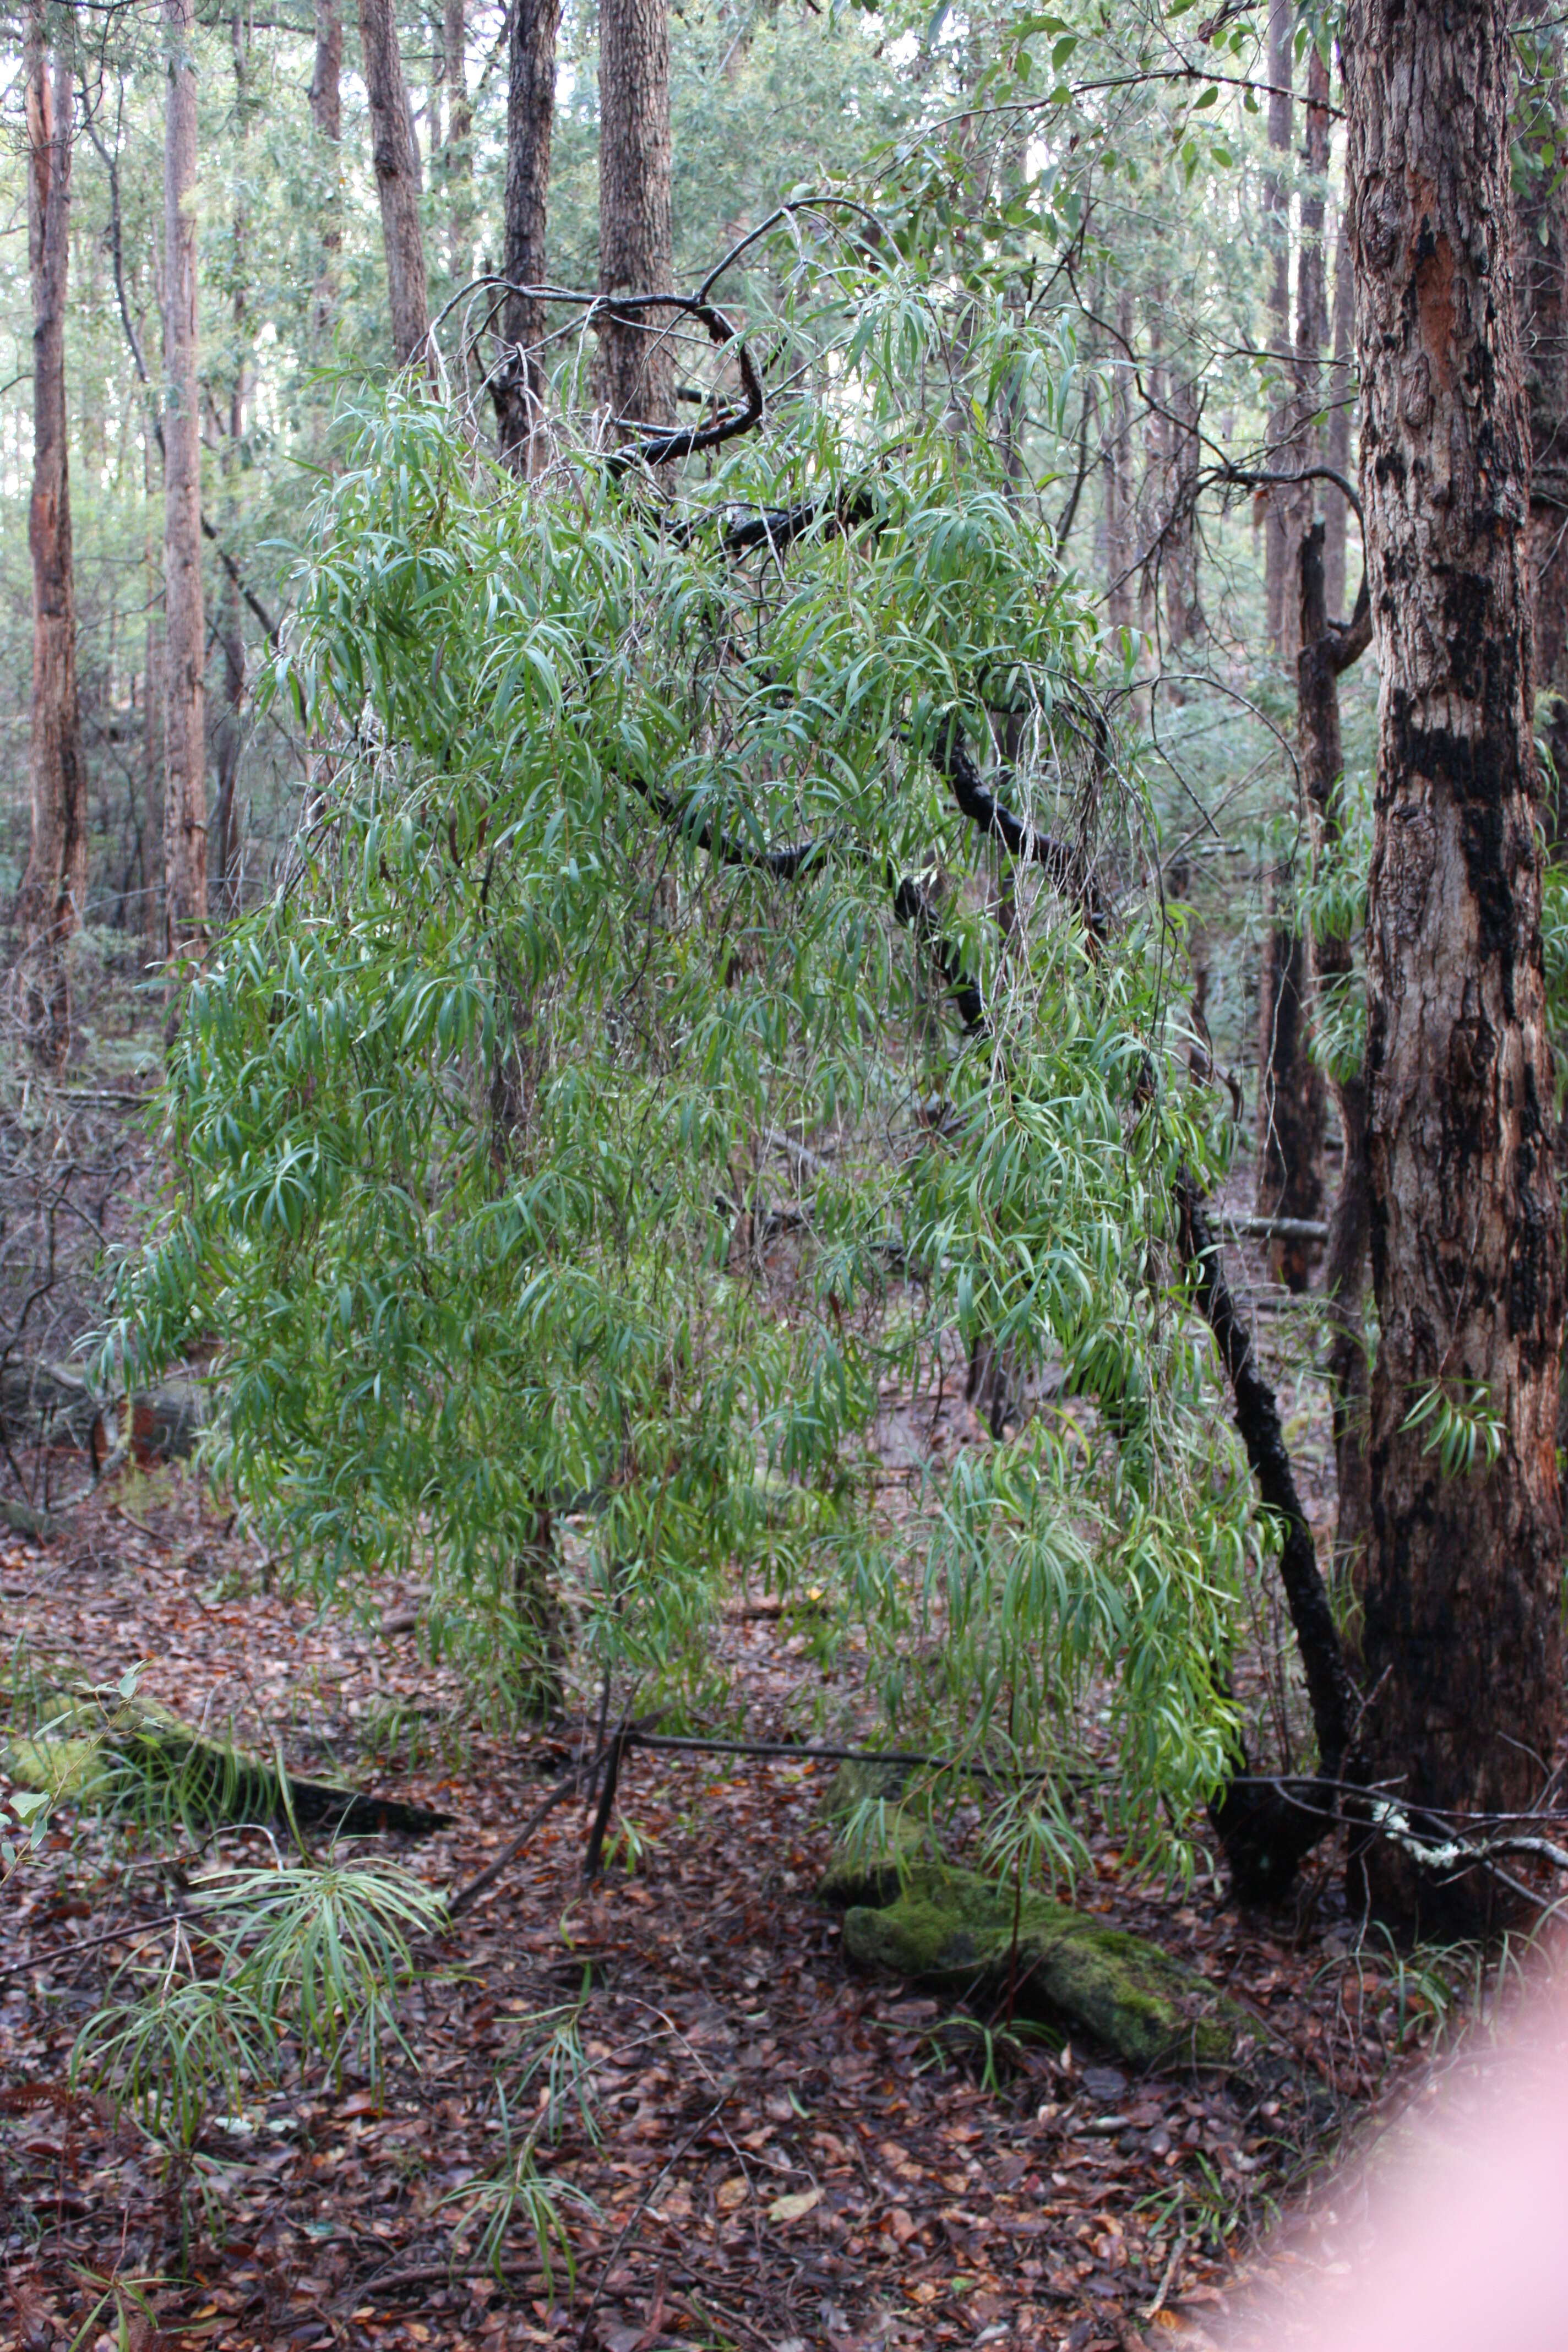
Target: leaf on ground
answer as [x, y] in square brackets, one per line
[794, 2207]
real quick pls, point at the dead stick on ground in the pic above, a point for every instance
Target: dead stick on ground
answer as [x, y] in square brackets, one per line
[463, 1897]
[1153, 2310]
[692, 2137]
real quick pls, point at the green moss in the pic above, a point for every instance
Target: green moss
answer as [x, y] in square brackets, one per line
[885, 1843]
[955, 1932]
[135, 1756]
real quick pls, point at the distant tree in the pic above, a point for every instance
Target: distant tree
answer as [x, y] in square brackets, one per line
[54, 888]
[518, 385]
[397, 160]
[327, 116]
[185, 698]
[637, 361]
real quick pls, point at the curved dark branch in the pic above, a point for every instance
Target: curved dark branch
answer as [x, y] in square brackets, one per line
[1266, 1830]
[786, 864]
[951, 756]
[665, 449]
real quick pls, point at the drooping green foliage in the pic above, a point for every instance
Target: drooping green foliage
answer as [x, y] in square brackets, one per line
[555, 1148]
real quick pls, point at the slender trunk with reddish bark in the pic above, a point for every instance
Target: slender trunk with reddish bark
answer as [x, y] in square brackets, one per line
[1462, 1643]
[1324, 653]
[637, 362]
[519, 380]
[397, 160]
[1277, 533]
[152, 709]
[184, 617]
[229, 733]
[54, 888]
[1292, 1107]
[458, 157]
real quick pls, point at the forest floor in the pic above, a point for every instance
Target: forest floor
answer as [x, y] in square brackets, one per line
[770, 2149]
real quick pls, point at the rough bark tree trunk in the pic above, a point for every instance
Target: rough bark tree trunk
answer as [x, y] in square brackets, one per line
[54, 888]
[397, 160]
[637, 362]
[184, 623]
[1464, 1572]
[1543, 293]
[327, 115]
[519, 380]
[1276, 565]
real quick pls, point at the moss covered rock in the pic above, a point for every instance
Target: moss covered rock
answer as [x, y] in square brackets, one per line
[887, 1840]
[954, 1931]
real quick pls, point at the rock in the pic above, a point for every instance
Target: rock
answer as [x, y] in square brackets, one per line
[953, 1931]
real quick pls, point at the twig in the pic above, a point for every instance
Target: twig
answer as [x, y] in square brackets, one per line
[1153, 2310]
[462, 1898]
[692, 2137]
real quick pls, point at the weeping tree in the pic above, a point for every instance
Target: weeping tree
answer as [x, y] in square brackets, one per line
[640, 1066]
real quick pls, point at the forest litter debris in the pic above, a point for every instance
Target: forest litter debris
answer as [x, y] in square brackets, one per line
[771, 2147]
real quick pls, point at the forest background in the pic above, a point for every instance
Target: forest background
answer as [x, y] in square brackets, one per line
[706, 717]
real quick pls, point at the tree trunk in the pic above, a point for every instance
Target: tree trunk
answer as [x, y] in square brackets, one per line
[1277, 565]
[397, 161]
[1323, 657]
[1340, 396]
[1291, 1101]
[229, 733]
[520, 379]
[153, 709]
[1183, 604]
[1464, 1571]
[1542, 260]
[459, 155]
[54, 888]
[327, 115]
[184, 623]
[1120, 489]
[637, 362]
